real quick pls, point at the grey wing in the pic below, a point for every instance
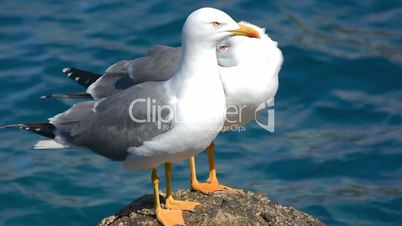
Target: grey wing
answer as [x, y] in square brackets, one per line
[106, 127]
[160, 64]
[115, 79]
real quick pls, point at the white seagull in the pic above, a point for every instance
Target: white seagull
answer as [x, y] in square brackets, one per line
[106, 126]
[248, 67]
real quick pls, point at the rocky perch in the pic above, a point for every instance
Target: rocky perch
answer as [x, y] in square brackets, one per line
[220, 208]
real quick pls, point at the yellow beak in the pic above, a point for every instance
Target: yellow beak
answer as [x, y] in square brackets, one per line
[246, 31]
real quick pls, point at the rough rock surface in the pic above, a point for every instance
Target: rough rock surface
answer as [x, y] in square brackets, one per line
[220, 208]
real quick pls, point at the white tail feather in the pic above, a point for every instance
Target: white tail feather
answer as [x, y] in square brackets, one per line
[49, 144]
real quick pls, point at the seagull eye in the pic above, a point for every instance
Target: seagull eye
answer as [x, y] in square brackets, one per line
[222, 47]
[216, 24]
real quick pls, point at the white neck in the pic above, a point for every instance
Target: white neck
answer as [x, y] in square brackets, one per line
[199, 67]
[198, 89]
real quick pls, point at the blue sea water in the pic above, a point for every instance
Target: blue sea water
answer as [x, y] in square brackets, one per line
[337, 149]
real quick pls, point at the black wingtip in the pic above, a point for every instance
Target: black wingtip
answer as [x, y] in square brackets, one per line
[19, 126]
[66, 96]
[41, 128]
[82, 77]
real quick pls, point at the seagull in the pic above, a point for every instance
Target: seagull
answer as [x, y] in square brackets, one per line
[248, 68]
[189, 121]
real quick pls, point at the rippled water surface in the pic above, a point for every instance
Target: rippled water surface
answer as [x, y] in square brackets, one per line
[337, 149]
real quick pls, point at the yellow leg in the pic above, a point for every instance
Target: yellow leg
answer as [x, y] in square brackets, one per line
[205, 188]
[171, 203]
[213, 184]
[211, 160]
[165, 217]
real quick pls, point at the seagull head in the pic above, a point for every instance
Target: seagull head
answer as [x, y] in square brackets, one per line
[208, 26]
[249, 51]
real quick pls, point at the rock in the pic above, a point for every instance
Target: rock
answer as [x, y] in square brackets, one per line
[220, 208]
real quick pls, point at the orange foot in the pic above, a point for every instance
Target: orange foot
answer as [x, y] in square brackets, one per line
[173, 204]
[208, 188]
[229, 189]
[213, 180]
[170, 217]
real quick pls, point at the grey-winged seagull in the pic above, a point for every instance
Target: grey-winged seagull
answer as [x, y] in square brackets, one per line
[248, 68]
[108, 126]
